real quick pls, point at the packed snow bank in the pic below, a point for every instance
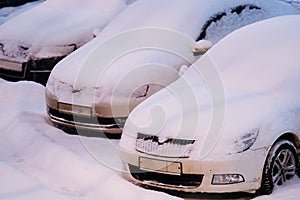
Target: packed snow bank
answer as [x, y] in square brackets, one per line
[9, 12]
[55, 28]
[37, 159]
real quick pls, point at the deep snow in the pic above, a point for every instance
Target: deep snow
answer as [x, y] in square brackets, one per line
[38, 160]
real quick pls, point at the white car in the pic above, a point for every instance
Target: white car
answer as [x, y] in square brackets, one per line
[34, 41]
[230, 123]
[82, 92]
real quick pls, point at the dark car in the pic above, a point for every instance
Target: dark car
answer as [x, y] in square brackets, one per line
[34, 41]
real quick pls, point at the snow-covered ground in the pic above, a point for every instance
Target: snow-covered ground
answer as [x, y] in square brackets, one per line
[37, 159]
[288, 191]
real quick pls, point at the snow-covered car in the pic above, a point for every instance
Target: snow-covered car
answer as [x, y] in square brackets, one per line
[230, 123]
[128, 81]
[34, 41]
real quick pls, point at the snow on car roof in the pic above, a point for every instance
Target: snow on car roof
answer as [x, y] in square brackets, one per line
[55, 28]
[258, 66]
[187, 17]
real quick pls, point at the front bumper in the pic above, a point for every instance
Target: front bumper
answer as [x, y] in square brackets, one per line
[187, 175]
[71, 116]
[95, 124]
[31, 70]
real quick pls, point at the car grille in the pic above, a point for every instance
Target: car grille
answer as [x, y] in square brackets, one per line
[150, 144]
[154, 178]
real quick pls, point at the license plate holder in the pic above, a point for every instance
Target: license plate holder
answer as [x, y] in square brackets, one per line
[163, 166]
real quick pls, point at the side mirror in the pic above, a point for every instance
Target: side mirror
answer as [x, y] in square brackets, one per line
[182, 69]
[201, 47]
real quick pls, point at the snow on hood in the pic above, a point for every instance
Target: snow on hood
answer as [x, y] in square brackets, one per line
[7, 13]
[55, 28]
[168, 14]
[251, 80]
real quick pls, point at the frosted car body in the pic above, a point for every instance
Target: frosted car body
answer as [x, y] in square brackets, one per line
[171, 141]
[208, 20]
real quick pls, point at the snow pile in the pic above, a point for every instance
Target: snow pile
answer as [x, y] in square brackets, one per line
[259, 74]
[40, 160]
[55, 28]
[167, 14]
[9, 12]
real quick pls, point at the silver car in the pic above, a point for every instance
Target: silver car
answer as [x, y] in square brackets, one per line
[230, 123]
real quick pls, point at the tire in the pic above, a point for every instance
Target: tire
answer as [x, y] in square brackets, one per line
[281, 165]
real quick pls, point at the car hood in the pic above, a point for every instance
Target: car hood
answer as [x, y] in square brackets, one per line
[54, 28]
[246, 83]
[64, 79]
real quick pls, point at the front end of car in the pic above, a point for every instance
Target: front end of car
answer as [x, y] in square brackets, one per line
[83, 94]
[182, 139]
[37, 70]
[97, 117]
[169, 165]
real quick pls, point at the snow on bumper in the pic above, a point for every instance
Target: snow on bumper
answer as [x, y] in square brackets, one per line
[188, 175]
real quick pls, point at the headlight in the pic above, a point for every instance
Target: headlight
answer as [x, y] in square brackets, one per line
[246, 141]
[223, 179]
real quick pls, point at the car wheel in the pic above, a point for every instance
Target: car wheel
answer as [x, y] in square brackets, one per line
[281, 165]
